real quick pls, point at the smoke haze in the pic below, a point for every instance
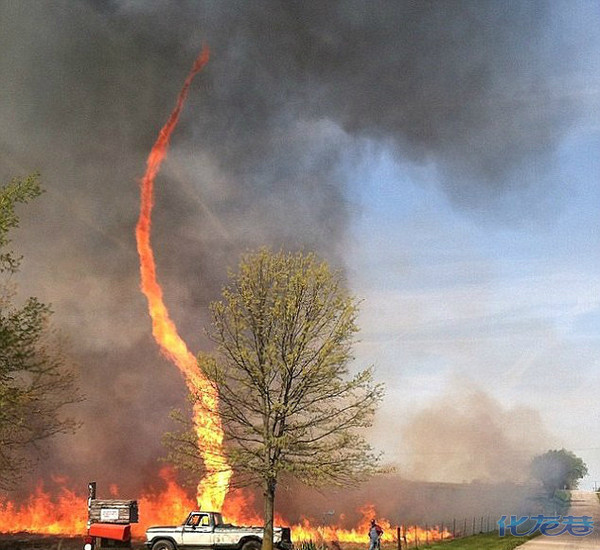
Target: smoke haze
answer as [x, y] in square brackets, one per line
[293, 94]
[467, 435]
[405, 502]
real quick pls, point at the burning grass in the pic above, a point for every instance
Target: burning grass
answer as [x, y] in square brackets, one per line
[65, 514]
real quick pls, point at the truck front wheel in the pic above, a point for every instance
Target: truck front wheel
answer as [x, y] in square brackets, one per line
[251, 545]
[163, 545]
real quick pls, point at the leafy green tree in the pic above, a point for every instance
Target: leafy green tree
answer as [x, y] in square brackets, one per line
[283, 331]
[558, 469]
[35, 381]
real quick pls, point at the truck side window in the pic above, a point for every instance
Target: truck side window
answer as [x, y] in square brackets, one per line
[194, 521]
[205, 521]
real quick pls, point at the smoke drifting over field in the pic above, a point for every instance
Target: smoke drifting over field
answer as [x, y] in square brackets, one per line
[407, 502]
[292, 95]
[467, 435]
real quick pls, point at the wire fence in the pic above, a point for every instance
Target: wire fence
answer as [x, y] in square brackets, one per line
[414, 536]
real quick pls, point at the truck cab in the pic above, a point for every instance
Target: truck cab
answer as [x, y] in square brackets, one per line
[205, 530]
[199, 529]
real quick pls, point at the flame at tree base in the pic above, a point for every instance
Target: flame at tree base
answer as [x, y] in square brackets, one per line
[66, 514]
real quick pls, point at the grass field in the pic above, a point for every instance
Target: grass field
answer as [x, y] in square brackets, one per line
[487, 541]
[484, 541]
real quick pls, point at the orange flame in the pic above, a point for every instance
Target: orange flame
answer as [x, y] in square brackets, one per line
[213, 488]
[359, 534]
[66, 514]
[41, 513]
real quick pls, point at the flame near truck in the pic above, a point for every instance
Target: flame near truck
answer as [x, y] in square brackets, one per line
[109, 521]
[109, 526]
[207, 529]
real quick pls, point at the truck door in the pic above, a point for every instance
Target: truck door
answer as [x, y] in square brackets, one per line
[198, 532]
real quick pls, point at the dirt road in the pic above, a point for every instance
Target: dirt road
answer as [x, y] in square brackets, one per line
[583, 503]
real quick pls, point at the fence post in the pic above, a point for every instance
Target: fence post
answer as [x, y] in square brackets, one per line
[416, 537]
[91, 496]
[399, 536]
[454, 528]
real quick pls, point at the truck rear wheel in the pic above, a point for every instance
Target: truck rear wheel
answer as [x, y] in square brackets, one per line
[252, 545]
[163, 545]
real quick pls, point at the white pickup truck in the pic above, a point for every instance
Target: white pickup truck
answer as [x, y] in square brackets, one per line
[203, 530]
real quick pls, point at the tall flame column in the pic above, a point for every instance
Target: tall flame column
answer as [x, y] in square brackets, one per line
[212, 489]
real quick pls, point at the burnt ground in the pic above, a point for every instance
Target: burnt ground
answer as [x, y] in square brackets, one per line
[27, 541]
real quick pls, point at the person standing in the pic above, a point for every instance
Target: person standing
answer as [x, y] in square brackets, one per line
[375, 532]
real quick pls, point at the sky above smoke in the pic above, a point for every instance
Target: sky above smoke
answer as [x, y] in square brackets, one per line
[442, 153]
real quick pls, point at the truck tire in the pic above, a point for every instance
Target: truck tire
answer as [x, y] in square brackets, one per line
[163, 545]
[252, 545]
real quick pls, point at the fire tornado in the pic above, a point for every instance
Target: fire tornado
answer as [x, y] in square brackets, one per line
[213, 487]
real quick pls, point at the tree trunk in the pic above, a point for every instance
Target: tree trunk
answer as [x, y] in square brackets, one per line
[269, 494]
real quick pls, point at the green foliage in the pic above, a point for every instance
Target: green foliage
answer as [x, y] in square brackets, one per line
[558, 469]
[34, 383]
[284, 332]
[563, 496]
[290, 406]
[19, 190]
[561, 502]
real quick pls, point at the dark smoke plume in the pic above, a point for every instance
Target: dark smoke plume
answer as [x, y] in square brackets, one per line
[292, 92]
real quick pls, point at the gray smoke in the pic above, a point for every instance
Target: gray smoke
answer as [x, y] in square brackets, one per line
[466, 435]
[291, 91]
[405, 502]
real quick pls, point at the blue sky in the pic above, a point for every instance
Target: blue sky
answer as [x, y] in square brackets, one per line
[474, 299]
